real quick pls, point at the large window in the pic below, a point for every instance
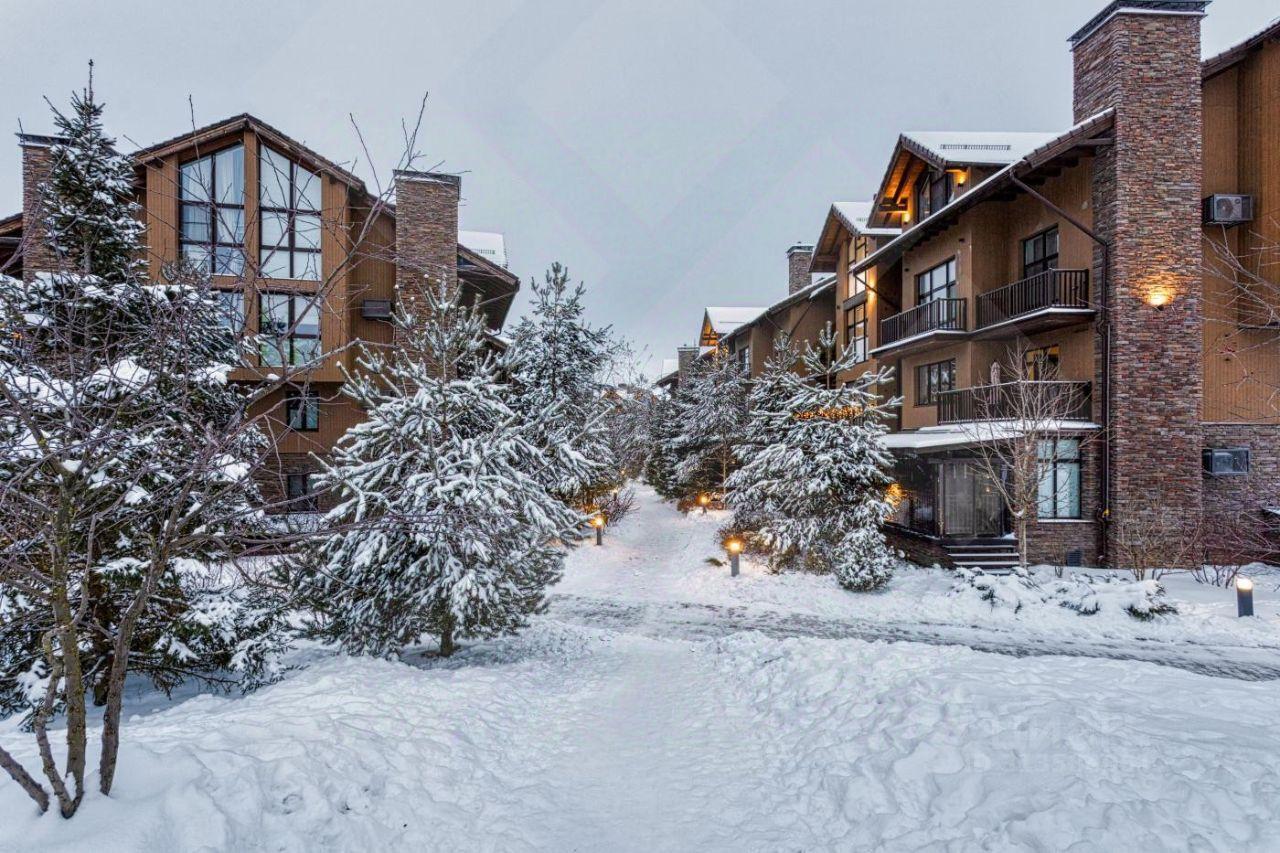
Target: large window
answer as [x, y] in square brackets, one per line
[1059, 462]
[1040, 253]
[856, 331]
[302, 409]
[289, 196]
[933, 193]
[937, 283]
[1041, 364]
[211, 215]
[932, 379]
[231, 313]
[290, 325]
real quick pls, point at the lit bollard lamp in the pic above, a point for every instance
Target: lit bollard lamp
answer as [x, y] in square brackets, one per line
[703, 500]
[1244, 596]
[598, 523]
[734, 547]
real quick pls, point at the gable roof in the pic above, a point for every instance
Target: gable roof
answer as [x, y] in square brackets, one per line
[1061, 145]
[851, 216]
[724, 320]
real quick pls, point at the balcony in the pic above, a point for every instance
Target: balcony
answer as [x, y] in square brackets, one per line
[1035, 401]
[920, 326]
[1043, 301]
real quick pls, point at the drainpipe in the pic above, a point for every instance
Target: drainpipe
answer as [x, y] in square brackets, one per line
[1104, 331]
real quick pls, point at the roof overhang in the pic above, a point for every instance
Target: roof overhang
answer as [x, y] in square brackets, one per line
[836, 228]
[1232, 56]
[1081, 140]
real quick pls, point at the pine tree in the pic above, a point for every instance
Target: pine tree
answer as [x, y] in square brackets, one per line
[444, 525]
[815, 483]
[710, 417]
[555, 366]
[660, 467]
[94, 225]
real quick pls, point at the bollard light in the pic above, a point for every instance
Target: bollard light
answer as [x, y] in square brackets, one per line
[1244, 596]
[703, 500]
[734, 547]
[598, 523]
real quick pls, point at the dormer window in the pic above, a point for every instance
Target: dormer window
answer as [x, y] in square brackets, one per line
[289, 199]
[211, 216]
[933, 192]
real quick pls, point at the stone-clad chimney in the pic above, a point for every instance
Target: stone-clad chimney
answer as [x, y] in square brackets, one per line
[426, 232]
[37, 166]
[685, 357]
[799, 257]
[1142, 58]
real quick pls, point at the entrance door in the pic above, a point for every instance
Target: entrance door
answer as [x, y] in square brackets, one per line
[971, 504]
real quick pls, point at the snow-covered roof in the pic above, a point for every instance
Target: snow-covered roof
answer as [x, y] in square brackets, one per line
[488, 244]
[855, 215]
[724, 320]
[1237, 52]
[981, 147]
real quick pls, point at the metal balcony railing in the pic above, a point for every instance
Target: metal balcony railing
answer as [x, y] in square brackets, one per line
[1051, 289]
[1036, 401]
[938, 315]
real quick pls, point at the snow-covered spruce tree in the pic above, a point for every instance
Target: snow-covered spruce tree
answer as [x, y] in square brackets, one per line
[710, 422]
[817, 482]
[123, 469]
[660, 466]
[555, 366]
[444, 523]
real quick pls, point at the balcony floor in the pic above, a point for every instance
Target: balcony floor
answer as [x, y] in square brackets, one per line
[917, 343]
[1034, 321]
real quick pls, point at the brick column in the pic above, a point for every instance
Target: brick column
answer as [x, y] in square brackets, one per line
[799, 257]
[37, 164]
[426, 232]
[1145, 63]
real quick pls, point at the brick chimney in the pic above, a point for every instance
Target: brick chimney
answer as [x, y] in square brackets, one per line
[799, 257]
[1142, 58]
[426, 232]
[685, 357]
[37, 165]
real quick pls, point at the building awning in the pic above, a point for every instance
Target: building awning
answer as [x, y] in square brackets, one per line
[968, 434]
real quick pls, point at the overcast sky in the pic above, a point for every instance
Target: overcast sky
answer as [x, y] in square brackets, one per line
[668, 151]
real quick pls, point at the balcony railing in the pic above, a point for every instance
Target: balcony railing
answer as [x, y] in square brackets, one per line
[1033, 401]
[1051, 289]
[937, 316]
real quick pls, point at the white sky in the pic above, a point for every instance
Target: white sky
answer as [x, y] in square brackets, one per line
[668, 151]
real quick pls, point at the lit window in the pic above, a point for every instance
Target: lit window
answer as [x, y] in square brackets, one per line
[290, 325]
[211, 202]
[856, 331]
[1041, 364]
[289, 198]
[1059, 491]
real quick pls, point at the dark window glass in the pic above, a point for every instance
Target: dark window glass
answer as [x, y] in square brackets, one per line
[937, 283]
[302, 410]
[856, 331]
[932, 379]
[290, 326]
[1059, 492]
[232, 313]
[299, 491]
[1041, 364]
[289, 195]
[211, 215]
[1040, 253]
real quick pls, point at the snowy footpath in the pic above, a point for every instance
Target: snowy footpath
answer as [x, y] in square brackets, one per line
[662, 706]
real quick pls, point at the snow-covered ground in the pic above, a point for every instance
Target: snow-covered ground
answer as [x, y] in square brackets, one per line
[637, 716]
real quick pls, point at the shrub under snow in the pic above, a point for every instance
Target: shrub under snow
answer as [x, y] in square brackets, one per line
[1082, 593]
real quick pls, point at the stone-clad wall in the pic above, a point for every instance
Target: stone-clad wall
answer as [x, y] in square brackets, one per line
[1147, 205]
[37, 164]
[426, 232]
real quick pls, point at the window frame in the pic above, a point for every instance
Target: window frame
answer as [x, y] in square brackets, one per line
[1048, 467]
[291, 329]
[1041, 364]
[929, 382]
[1046, 261]
[853, 340]
[949, 288]
[291, 214]
[302, 399]
[211, 206]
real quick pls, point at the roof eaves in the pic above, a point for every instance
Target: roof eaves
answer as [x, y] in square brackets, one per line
[1237, 53]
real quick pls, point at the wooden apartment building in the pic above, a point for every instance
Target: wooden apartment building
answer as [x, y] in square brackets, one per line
[1122, 263]
[303, 254]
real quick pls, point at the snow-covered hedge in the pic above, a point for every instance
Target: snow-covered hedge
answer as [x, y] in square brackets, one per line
[1082, 593]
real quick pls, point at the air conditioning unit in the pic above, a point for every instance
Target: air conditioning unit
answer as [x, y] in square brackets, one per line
[1228, 209]
[375, 309]
[1226, 461]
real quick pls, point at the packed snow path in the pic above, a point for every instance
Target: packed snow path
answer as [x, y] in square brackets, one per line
[652, 578]
[661, 726]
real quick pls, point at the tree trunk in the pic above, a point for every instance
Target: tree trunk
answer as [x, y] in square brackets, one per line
[73, 692]
[447, 646]
[25, 780]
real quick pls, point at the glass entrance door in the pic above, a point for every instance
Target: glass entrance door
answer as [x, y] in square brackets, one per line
[971, 503]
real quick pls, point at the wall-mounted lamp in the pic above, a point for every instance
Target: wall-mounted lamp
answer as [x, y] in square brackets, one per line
[1159, 297]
